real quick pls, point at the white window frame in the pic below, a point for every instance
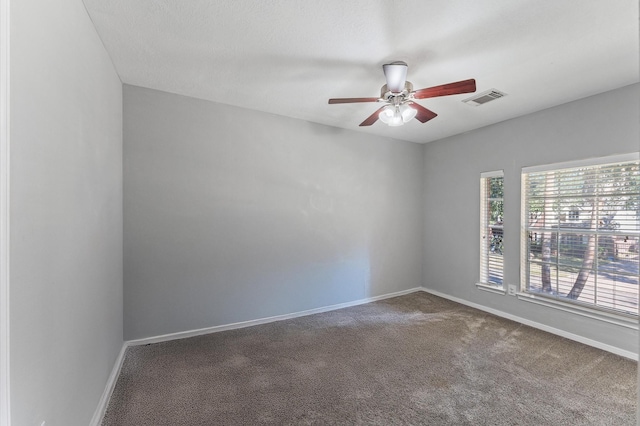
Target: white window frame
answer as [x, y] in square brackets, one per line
[483, 283]
[618, 318]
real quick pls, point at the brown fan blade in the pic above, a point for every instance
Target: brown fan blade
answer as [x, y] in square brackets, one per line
[351, 100]
[423, 114]
[464, 86]
[372, 118]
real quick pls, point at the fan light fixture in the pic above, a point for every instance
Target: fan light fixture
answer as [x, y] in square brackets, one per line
[400, 98]
[397, 115]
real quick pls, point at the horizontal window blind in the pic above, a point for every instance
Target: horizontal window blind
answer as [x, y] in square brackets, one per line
[582, 231]
[491, 228]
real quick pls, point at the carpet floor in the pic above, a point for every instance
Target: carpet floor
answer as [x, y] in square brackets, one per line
[410, 360]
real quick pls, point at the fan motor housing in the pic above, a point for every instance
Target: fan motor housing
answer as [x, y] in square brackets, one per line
[386, 94]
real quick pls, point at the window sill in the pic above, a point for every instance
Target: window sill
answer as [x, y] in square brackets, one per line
[628, 321]
[491, 288]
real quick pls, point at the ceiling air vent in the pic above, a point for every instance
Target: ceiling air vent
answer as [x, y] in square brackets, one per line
[484, 97]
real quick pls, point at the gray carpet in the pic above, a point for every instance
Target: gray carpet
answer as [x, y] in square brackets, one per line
[411, 360]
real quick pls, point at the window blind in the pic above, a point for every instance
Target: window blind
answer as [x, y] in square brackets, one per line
[491, 228]
[581, 231]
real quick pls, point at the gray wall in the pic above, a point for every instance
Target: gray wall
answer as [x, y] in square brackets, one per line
[232, 215]
[596, 126]
[66, 214]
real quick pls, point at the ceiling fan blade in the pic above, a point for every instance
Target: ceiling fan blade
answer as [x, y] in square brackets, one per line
[464, 86]
[351, 100]
[423, 114]
[396, 75]
[372, 118]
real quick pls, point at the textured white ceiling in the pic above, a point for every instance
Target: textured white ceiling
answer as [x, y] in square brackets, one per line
[288, 57]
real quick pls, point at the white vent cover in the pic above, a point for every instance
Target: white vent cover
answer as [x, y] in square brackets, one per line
[484, 97]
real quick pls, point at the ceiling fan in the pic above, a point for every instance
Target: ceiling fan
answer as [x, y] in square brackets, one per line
[399, 97]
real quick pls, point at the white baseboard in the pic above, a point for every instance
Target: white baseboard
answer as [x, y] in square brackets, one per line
[108, 390]
[543, 327]
[243, 324]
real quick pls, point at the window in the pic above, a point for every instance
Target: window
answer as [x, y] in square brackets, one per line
[491, 228]
[581, 230]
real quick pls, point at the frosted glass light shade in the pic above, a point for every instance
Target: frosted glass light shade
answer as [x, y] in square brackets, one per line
[391, 116]
[407, 112]
[386, 114]
[397, 115]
